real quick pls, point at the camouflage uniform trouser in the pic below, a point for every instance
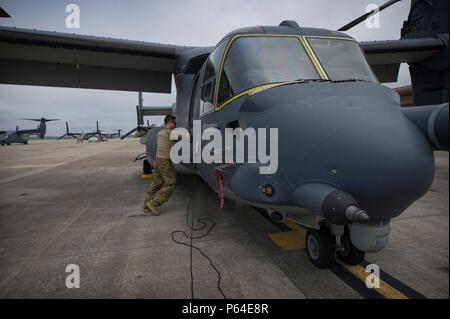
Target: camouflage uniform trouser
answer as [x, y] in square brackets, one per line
[163, 182]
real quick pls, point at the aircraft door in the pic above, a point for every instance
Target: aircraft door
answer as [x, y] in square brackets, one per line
[206, 92]
[194, 107]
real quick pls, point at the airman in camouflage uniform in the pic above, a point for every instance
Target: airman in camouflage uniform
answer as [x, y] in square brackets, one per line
[164, 177]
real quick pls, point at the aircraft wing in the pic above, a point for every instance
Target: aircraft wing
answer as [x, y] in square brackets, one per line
[385, 56]
[31, 57]
[33, 131]
[90, 134]
[157, 110]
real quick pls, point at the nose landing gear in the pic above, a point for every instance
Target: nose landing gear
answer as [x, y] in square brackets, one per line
[349, 253]
[321, 246]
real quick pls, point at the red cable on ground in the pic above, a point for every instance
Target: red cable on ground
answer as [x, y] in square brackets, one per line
[219, 180]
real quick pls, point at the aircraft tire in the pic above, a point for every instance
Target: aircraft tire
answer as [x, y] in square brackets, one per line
[146, 167]
[319, 246]
[351, 255]
[8, 143]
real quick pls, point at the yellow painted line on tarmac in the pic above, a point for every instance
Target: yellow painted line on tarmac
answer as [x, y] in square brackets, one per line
[294, 226]
[146, 175]
[289, 240]
[385, 289]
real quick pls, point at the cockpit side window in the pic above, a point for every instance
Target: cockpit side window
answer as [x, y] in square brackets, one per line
[209, 78]
[253, 61]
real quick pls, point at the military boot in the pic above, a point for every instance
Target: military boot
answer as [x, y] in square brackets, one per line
[152, 208]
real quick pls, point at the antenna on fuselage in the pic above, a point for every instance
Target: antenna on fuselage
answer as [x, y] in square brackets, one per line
[290, 24]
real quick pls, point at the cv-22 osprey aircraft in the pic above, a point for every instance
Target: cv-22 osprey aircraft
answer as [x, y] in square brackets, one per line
[21, 136]
[113, 135]
[350, 158]
[75, 135]
[85, 136]
[142, 111]
[16, 136]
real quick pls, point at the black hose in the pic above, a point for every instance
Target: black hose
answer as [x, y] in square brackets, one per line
[204, 223]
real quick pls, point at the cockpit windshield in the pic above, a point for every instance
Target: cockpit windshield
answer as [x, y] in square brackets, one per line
[251, 62]
[254, 61]
[342, 59]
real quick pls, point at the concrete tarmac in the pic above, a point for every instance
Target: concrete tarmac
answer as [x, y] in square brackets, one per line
[64, 203]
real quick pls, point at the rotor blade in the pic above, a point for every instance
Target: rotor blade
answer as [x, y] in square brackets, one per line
[4, 14]
[140, 118]
[48, 120]
[130, 132]
[140, 100]
[368, 14]
[36, 120]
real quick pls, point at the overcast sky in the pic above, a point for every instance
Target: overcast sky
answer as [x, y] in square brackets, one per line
[181, 22]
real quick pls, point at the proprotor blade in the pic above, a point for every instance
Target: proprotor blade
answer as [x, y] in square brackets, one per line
[4, 14]
[357, 21]
[130, 132]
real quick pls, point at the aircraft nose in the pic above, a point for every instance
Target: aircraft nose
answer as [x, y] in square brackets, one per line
[356, 139]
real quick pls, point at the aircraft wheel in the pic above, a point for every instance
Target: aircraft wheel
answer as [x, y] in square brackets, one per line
[147, 168]
[8, 143]
[319, 246]
[350, 255]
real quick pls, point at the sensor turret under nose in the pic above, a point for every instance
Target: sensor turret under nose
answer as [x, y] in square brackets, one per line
[337, 206]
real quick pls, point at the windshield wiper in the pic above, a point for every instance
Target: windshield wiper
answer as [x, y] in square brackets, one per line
[285, 83]
[349, 80]
[311, 80]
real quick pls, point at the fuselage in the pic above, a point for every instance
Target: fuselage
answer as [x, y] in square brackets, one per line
[337, 126]
[13, 137]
